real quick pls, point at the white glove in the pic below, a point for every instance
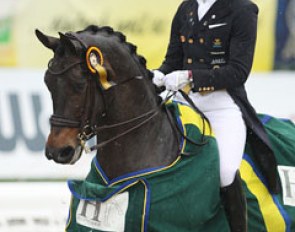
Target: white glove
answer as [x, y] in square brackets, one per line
[158, 78]
[177, 80]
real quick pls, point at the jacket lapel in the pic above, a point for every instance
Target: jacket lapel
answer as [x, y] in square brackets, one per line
[219, 9]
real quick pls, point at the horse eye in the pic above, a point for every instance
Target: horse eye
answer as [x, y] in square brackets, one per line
[50, 63]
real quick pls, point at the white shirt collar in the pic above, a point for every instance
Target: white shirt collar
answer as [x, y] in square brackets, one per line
[207, 2]
[204, 6]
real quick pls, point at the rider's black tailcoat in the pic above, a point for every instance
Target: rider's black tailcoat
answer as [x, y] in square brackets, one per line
[219, 50]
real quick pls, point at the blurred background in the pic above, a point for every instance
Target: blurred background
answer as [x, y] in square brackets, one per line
[33, 191]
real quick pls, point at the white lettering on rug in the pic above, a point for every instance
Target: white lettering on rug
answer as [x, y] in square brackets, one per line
[287, 176]
[106, 216]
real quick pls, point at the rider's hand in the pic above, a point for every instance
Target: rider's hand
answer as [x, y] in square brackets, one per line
[158, 78]
[177, 80]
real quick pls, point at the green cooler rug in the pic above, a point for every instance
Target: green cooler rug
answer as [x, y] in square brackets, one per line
[184, 196]
[267, 212]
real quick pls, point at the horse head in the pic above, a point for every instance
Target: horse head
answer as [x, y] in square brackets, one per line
[93, 77]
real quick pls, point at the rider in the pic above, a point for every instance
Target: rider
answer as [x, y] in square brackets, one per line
[211, 47]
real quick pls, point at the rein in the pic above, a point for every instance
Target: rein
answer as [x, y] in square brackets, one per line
[125, 122]
[203, 116]
[153, 113]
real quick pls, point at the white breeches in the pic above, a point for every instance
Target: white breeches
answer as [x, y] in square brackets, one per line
[228, 126]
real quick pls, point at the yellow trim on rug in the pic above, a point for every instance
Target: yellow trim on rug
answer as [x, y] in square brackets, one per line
[146, 173]
[144, 206]
[189, 116]
[102, 177]
[272, 216]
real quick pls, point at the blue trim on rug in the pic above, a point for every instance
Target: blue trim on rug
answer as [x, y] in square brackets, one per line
[135, 174]
[97, 165]
[285, 215]
[78, 196]
[256, 170]
[126, 176]
[69, 216]
[285, 120]
[265, 119]
[180, 126]
[283, 212]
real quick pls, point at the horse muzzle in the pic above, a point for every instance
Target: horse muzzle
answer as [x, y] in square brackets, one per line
[64, 155]
[62, 145]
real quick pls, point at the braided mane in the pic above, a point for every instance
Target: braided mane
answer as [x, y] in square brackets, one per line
[122, 38]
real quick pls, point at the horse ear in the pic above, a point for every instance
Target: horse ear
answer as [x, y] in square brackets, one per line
[48, 41]
[68, 43]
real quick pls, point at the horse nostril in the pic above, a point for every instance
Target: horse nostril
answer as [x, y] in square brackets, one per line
[48, 153]
[67, 152]
[60, 155]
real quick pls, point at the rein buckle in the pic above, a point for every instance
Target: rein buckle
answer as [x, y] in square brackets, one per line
[86, 134]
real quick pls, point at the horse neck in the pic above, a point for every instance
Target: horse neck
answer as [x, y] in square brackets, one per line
[151, 145]
[140, 99]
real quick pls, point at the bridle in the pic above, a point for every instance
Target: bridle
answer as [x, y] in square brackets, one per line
[88, 129]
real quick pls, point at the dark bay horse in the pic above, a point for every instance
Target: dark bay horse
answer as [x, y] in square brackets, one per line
[101, 87]
[81, 104]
